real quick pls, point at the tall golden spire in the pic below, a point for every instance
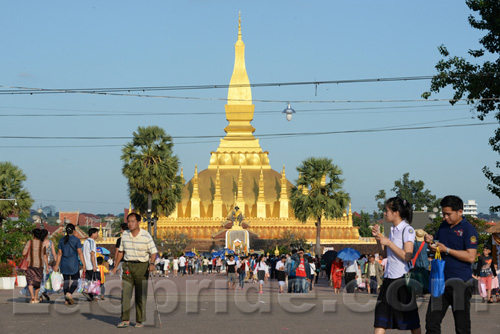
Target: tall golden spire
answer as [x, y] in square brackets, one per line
[239, 148]
[239, 87]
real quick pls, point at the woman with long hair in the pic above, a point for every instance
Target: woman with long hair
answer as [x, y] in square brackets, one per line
[393, 309]
[37, 260]
[70, 250]
[261, 271]
[49, 250]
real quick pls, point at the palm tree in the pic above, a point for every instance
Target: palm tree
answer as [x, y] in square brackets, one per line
[15, 199]
[318, 193]
[151, 169]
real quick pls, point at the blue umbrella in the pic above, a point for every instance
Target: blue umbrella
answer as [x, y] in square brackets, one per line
[190, 254]
[102, 250]
[216, 254]
[349, 254]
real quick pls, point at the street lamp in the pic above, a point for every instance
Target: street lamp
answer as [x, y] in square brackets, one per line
[66, 222]
[10, 199]
[39, 217]
[288, 111]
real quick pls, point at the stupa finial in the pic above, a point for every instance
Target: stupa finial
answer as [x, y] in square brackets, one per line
[239, 27]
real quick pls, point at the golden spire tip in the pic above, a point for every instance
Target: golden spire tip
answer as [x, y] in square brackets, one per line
[239, 28]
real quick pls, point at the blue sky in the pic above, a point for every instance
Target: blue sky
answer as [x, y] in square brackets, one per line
[61, 44]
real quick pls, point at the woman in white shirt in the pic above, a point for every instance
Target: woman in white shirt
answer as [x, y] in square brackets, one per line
[176, 265]
[393, 310]
[312, 265]
[261, 271]
[280, 273]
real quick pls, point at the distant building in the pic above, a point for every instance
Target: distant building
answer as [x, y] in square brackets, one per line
[470, 208]
[49, 210]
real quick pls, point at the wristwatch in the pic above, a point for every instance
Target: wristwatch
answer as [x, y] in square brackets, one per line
[151, 263]
[447, 251]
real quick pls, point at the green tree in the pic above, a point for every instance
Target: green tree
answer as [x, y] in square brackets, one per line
[412, 191]
[174, 242]
[14, 235]
[477, 83]
[151, 170]
[290, 239]
[11, 187]
[318, 193]
[363, 221]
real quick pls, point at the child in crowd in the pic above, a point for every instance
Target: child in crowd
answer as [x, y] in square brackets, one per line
[495, 286]
[102, 271]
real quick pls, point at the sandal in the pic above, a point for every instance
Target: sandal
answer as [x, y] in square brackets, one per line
[70, 300]
[139, 325]
[32, 301]
[122, 324]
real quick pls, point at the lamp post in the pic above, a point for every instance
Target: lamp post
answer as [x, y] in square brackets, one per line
[39, 218]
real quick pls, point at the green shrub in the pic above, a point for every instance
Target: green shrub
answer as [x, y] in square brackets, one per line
[6, 270]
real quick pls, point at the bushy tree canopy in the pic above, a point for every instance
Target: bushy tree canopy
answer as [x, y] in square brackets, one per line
[478, 81]
[11, 187]
[412, 191]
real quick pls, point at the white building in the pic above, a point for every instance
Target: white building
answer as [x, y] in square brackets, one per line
[470, 208]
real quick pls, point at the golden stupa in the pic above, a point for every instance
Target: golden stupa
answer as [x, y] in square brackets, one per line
[239, 174]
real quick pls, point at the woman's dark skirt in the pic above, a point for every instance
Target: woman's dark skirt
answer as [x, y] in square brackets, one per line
[280, 275]
[261, 274]
[34, 276]
[396, 306]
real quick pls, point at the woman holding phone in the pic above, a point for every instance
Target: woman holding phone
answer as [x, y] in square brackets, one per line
[396, 309]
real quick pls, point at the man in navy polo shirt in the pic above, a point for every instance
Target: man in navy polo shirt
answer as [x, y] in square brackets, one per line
[457, 242]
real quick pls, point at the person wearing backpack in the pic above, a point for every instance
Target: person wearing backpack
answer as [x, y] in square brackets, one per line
[242, 267]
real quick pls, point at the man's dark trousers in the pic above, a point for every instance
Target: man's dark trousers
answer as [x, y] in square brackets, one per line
[349, 277]
[460, 303]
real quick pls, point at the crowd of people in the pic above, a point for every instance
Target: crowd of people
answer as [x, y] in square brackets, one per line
[408, 251]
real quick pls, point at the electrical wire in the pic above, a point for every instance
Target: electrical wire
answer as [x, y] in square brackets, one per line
[263, 136]
[94, 113]
[31, 90]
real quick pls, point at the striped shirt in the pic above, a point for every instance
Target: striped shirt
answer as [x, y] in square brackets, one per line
[139, 248]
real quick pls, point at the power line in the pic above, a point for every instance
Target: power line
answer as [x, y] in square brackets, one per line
[263, 136]
[273, 112]
[31, 90]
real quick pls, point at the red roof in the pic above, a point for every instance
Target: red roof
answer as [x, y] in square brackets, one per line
[71, 216]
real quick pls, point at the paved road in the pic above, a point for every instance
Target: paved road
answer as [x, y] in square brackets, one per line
[202, 304]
